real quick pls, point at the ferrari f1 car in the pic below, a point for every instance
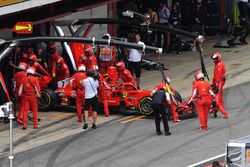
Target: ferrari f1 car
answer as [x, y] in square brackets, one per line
[53, 92]
[120, 96]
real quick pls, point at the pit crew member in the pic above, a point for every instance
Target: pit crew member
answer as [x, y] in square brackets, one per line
[203, 94]
[17, 82]
[76, 82]
[29, 91]
[219, 80]
[124, 74]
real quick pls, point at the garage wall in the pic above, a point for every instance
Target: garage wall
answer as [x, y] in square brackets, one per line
[99, 12]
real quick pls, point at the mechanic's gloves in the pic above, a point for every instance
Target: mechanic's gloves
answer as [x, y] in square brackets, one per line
[53, 75]
[73, 94]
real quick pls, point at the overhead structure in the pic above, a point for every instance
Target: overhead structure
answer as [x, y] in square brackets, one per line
[10, 44]
[41, 11]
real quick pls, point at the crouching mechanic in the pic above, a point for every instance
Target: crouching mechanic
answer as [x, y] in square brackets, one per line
[202, 94]
[29, 91]
[159, 107]
[62, 70]
[76, 82]
[38, 67]
[219, 80]
[124, 74]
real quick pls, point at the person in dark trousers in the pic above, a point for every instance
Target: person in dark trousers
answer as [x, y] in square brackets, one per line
[198, 19]
[164, 13]
[175, 21]
[159, 99]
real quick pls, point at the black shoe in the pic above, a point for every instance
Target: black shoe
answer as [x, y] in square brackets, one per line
[85, 126]
[24, 128]
[94, 126]
[167, 133]
[215, 114]
[159, 133]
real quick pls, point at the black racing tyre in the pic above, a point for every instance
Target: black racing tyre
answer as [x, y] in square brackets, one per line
[145, 106]
[178, 96]
[48, 99]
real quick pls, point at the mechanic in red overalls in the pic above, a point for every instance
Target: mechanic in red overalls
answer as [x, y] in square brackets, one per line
[62, 70]
[219, 81]
[124, 74]
[17, 82]
[38, 68]
[102, 90]
[54, 57]
[88, 58]
[203, 94]
[106, 55]
[76, 82]
[112, 77]
[170, 90]
[29, 91]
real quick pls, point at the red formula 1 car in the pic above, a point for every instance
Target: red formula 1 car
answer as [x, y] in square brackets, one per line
[124, 95]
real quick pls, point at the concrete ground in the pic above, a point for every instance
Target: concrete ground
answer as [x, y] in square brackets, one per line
[56, 125]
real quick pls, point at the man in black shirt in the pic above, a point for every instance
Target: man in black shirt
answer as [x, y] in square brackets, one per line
[159, 100]
[198, 19]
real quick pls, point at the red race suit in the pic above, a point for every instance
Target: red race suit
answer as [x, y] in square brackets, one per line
[126, 76]
[219, 82]
[102, 94]
[88, 61]
[17, 82]
[39, 68]
[29, 91]
[202, 94]
[53, 59]
[76, 83]
[62, 72]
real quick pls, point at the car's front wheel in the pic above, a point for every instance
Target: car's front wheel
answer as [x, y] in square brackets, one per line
[48, 99]
[145, 106]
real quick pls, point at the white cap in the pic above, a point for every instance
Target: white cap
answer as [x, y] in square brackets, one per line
[22, 67]
[81, 68]
[30, 71]
[199, 76]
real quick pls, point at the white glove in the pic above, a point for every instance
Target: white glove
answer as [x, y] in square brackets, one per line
[73, 94]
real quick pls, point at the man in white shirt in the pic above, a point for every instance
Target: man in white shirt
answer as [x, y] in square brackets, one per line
[134, 60]
[91, 88]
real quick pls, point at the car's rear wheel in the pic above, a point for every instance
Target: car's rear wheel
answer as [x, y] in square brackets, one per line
[48, 99]
[145, 106]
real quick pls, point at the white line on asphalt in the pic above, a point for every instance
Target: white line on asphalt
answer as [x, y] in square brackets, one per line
[207, 160]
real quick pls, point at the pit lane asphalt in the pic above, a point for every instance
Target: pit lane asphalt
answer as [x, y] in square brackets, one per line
[181, 70]
[135, 143]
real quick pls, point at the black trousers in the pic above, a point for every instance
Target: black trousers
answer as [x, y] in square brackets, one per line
[160, 110]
